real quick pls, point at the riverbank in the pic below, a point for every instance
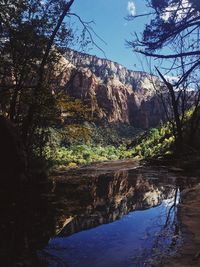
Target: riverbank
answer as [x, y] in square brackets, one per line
[100, 167]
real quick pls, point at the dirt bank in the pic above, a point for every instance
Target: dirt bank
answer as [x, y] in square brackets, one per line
[189, 214]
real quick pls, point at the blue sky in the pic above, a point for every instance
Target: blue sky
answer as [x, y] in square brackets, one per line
[110, 24]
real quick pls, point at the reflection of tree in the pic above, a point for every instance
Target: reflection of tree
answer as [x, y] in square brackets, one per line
[27, 223]
[162, 238]
[172, 208]
[53, 260]
[167, 238]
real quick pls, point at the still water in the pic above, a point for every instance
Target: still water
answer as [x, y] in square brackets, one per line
[112, 216]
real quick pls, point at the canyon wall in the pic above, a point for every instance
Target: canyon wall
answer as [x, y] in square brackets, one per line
[114, 93]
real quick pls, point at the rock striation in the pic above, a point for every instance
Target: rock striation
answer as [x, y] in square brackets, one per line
[107, 69]
[114, 93]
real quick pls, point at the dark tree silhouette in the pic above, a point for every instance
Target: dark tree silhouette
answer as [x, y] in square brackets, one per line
[175, 25]
[31, 33]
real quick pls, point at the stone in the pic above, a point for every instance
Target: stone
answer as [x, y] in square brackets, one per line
[114, 93]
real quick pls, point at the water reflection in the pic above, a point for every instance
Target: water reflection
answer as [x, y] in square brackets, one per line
[27, 222]
[146, 195]
[138, 239]
[107, 197]
[125, 215]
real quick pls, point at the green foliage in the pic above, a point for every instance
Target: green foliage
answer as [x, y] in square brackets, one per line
[72, 110]
[83, 154]
[113, 134]
[34, 34]
[157, 141]
[69, 147]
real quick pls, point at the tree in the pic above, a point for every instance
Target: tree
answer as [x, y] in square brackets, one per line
[31, 32]
[33, 36]
[74, 118]
[172, 37]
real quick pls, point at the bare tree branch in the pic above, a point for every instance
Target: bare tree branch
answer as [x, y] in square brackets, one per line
[184, 54]
[88, 30]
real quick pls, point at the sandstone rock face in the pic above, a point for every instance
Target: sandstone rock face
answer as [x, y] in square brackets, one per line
[114, 93]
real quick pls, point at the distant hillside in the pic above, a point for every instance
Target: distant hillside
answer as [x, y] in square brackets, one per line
[114, 93]
[107, 69]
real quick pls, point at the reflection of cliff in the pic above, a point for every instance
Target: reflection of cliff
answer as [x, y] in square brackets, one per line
[108, 197]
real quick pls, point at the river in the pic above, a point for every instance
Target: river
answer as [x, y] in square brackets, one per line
[108, 214]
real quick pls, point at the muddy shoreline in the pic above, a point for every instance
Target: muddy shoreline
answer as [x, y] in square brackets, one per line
[189, 217]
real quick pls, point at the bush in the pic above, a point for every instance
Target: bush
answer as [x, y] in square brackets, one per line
[153, 143]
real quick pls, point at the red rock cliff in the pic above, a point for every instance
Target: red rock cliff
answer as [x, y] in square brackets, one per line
[115, 94]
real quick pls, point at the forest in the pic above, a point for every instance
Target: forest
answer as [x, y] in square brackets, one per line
[87, 145]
